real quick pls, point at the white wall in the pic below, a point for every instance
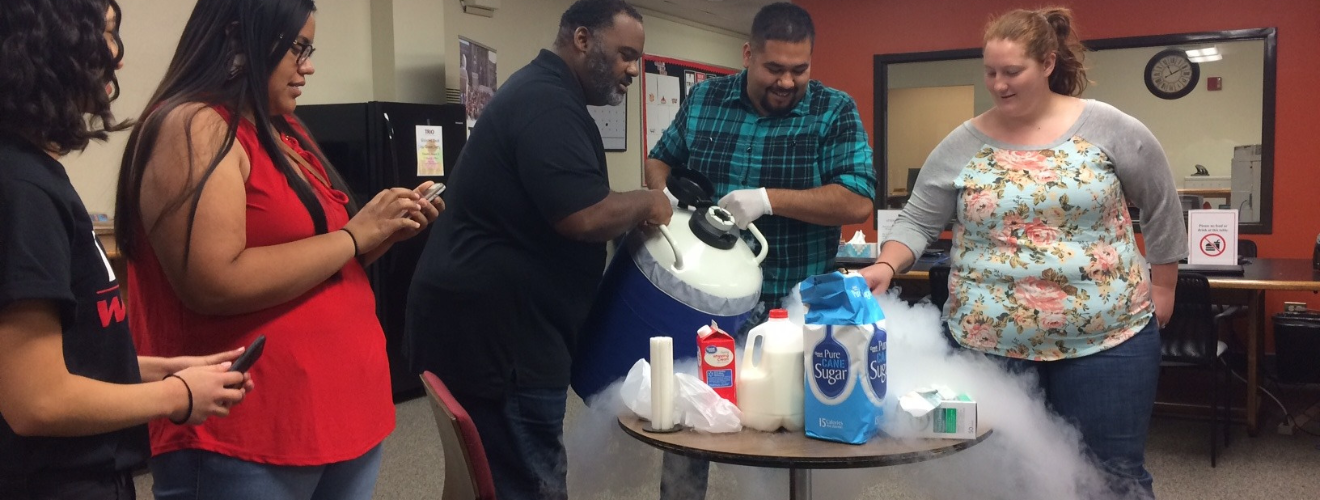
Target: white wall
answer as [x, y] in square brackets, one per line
[420, 33]
[151, 30]
[343, 59]
[1201, 128]
[384, 50]
[953, 73]
[521, 28]
[919, 118]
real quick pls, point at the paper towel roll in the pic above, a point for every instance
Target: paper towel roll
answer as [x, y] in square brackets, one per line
[662, 383]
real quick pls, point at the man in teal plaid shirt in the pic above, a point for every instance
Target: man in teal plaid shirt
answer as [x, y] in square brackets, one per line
[780, 149]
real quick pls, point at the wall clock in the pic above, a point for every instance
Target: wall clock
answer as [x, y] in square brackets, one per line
[1170, 74]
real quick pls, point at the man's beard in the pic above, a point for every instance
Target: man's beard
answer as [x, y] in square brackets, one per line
[773, 110]
[602, 86]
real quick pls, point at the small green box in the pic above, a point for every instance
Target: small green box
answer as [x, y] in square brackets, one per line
[954, 418]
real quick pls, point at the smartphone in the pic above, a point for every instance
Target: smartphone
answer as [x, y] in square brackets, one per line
[429, 196]
[249, 356]
[433, 192]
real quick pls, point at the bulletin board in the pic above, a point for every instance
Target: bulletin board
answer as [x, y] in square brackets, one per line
[666, 83]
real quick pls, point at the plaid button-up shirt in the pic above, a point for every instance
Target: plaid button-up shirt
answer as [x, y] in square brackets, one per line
[719, 134]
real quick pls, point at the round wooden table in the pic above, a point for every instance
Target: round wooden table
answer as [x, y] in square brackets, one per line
[795, 451]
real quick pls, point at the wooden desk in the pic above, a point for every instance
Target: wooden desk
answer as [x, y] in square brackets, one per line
[795, 451]
[1260, 276]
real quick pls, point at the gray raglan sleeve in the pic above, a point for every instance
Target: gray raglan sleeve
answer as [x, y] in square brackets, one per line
[1143, 172]
[933, 199]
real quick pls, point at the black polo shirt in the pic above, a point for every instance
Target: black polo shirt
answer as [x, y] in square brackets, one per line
[499, 296]
[49, 252]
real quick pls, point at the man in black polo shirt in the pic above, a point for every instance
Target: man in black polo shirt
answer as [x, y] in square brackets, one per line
[513, 264]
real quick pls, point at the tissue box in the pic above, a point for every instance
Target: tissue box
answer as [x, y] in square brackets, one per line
[952, 419]
[853, 250]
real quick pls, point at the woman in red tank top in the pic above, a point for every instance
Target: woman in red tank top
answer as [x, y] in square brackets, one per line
[235, 227]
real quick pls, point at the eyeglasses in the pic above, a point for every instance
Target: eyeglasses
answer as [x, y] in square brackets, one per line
[302, 51]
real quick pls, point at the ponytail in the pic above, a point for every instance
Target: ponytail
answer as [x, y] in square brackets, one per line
[1041, 33]
[1069, 76]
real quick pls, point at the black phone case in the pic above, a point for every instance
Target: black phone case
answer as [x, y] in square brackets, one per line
[249, 356]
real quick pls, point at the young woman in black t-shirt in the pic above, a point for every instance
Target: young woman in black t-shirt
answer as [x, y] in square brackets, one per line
[72, 395]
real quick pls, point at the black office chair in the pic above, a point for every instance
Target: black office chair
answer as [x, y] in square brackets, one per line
[1191, 338]
[1246, 248]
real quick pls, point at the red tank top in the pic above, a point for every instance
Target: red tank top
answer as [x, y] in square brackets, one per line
[322, 385]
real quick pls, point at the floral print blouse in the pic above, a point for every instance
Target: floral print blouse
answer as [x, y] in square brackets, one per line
[1045, 264]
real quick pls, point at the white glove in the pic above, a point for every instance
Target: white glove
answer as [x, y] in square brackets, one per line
[747, 205]
[673, 201]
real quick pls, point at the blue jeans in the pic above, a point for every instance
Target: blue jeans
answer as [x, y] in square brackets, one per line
[204, 475]
[1109, 396]
[523, 435]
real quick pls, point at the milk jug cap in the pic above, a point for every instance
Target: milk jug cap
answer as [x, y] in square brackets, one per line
[778, 314]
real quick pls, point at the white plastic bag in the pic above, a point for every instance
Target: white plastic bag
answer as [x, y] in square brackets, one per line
[636, 389]
[696, 405]
[699, 407]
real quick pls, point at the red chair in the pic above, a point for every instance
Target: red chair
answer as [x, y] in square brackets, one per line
[467, 473]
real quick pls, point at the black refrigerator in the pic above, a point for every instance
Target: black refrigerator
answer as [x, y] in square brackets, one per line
[377, 145]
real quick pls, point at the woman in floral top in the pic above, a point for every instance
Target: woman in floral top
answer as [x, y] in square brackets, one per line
[1046, 272]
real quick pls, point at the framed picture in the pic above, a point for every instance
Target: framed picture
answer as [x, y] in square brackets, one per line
[476, 78]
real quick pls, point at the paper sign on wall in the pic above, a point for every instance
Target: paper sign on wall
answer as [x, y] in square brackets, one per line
[613, 124]
[884, 221]
[430, 151]
[1212, 236]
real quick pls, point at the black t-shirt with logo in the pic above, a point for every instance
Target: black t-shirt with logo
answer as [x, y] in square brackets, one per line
[499, 296]
[48, 251]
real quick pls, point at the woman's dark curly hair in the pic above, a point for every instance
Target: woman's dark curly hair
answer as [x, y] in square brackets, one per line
[56, 66]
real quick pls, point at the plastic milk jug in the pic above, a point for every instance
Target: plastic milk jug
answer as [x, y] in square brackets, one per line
[715, 361]
[770, 385]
